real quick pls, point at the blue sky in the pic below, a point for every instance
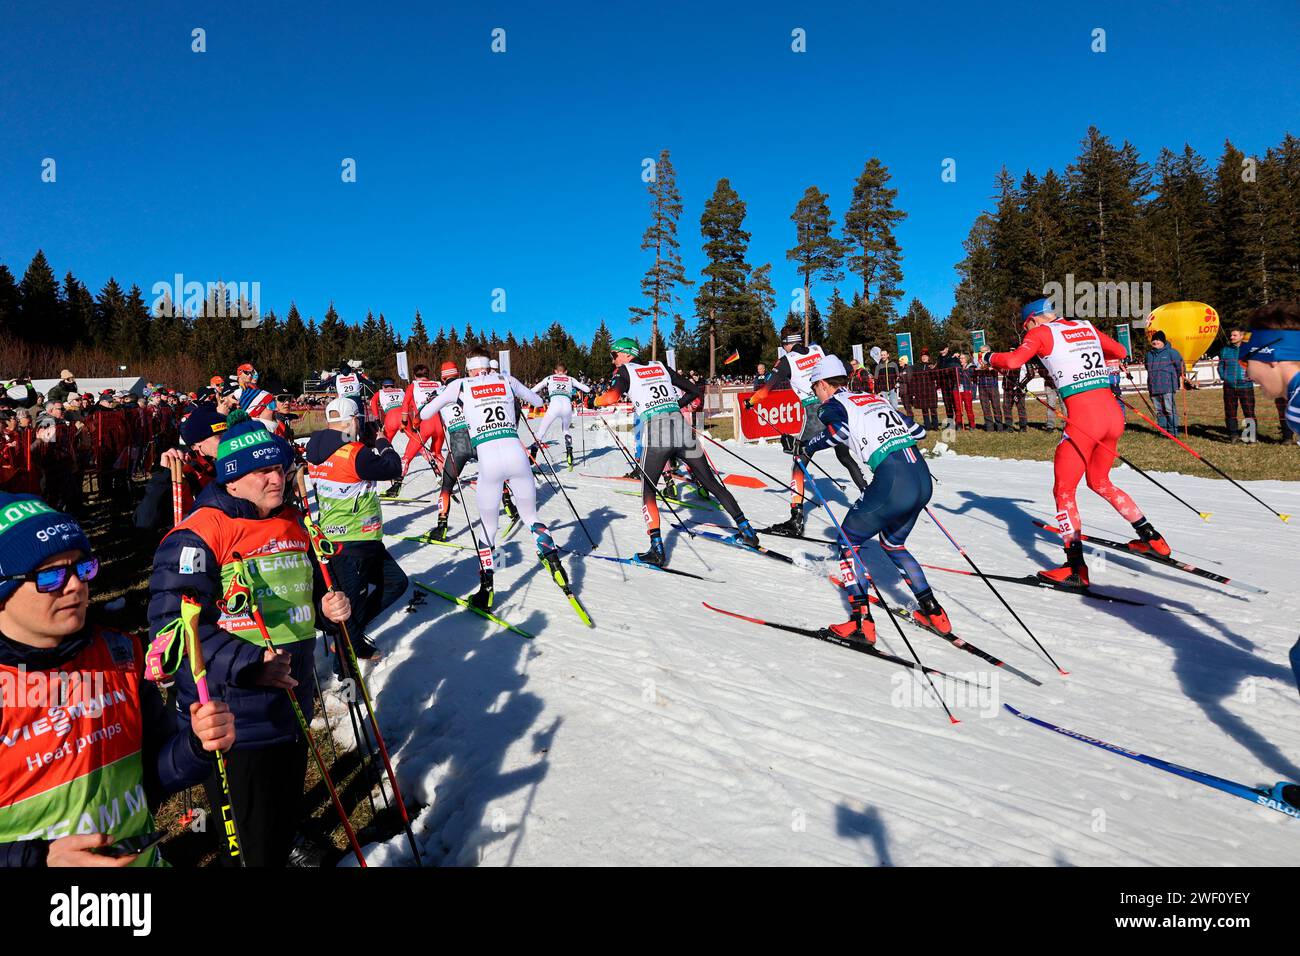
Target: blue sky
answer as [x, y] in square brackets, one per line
[521, 170]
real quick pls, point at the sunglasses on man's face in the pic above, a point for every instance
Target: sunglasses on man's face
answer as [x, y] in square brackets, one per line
[53, 579]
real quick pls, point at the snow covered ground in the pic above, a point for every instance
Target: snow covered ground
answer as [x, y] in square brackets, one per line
[670, 734]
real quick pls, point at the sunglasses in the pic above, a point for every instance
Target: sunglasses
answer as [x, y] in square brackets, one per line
[52, 580]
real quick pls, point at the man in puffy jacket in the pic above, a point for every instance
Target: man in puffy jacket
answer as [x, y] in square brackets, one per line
[243, 514]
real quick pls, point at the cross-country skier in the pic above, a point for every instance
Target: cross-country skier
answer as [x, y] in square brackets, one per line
[560, 389]
[883, 439]
[487, 400]
[386, 408]
[420, 432]
[658, 394]
[1074, 352]
[793, 370]
[459, 451]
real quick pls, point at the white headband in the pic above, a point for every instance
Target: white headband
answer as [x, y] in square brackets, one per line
[475, 363]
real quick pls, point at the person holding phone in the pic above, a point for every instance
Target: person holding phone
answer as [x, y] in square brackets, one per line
[90, 742]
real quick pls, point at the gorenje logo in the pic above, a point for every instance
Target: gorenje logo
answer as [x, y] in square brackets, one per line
[649, 371]
[75, 909]
[490, 390]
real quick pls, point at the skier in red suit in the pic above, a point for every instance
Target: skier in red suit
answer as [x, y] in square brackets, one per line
[1074, 352]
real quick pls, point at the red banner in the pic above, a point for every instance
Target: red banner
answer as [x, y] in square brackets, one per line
[778, 414]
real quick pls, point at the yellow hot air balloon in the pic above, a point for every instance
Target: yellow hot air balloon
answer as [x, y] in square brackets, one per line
[1190, 327]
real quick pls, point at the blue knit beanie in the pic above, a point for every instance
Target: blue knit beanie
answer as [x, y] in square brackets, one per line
[31, 532]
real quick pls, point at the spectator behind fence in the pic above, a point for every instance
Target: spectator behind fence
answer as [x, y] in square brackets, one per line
[1165, 371]
[924, 379]
[886, 378]
[1238, 390]
[948, 365]
[761, 377]
[964, 391]
[859, 379]
[986, 385]
[905, 386]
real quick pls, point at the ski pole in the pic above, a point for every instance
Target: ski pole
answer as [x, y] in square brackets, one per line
[1203, 515]
[190, 608]
[559, 484]
[1203, 460]
[178, 499]
[238, 597]
[788, 487]
[677, 521]
[857, 559]
[996, 593]
[324, 548]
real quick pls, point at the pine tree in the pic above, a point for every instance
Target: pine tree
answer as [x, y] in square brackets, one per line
[418, 346]
[839, 325]
[1180, 222]
[666, 273]
[817, 251]
[683, 344]
[331, 337]
[1237, 251]
[10, 305]
[1106, 188]
[1282, 190]
[41, 311]
[722, 298]
[1045, 216]
[920, 322]
[110, 309]
[79, 311]
[869, 233]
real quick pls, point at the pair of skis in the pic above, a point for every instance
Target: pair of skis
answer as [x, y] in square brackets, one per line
[1169, 562]
[830, 637]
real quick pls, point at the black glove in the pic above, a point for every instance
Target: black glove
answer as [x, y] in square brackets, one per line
[791, 445]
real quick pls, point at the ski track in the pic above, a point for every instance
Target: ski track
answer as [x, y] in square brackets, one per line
[669, 734]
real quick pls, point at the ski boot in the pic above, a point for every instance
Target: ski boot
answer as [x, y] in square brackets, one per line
[746, 533]
[930, 614]
[437, 533]
[1288, 793]
[1072, 574]
[793, 526]
[859, 627]
[508, 503]
[568, 451]
[482, 598]
[549, 554]
[1149, 540]
[393, 490]
[656, 555]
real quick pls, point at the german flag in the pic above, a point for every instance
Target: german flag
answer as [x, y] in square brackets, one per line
[733, 357]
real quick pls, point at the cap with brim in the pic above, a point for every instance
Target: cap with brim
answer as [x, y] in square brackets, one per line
[1035, 308]
[342, 410]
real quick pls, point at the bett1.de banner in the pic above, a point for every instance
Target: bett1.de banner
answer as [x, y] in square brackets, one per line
[778, 414]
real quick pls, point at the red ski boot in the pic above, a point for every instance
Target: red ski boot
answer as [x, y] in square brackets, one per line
[931, 615]
[1149, 540]
[859, 626]
[1072, 574]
